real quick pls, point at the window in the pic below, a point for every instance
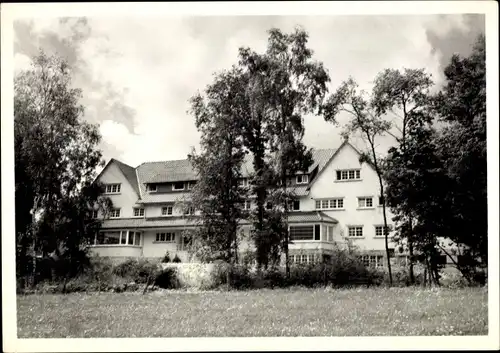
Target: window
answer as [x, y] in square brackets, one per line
[330, 233]
[152, 187]
[189, 211]
[294, 205]
[114, 213]
[178, 186]
[113, 188]
[317, 234]
[138, 212]
[330, 204]
[301, 233]
[349, 174]
[355, 231]
[302, 179]
[380, 200]
[168, 237]
[122, 237]
[372, 260]
[95, 214]
[365, 202]
[166, 211]
[379, 230]
[247, 204]
[243, 182]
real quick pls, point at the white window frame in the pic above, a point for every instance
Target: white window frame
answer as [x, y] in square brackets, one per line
[169, 237]
[151, 189]
[243, 182]
[189, 211]
[329, 202]
[139, 209]
[348, 174]
[117, 187]
[190, 185]
[372, 260]
[356, 229]
[247, 204]
[166, 214]
[183, 186]
[291, 204]
[365, 198]
[304, 179]
[389, 230]
[124, 234]
[112, 213]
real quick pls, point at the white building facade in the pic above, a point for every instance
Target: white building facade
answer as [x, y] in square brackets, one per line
[337, 202]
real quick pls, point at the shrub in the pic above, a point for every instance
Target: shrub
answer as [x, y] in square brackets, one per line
[166, 258]
[167, 278]
[134, 270]
[176, 259]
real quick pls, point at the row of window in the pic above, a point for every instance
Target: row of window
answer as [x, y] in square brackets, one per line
[342, 175]
[303, 259]
[122, 237]
[139, 212]
[357, 231]
[338, 203]
[178, 186]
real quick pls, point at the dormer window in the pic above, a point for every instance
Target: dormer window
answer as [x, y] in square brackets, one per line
[178, 186]
[152, 187]
[294, 205]
[112, 188]
[190, 185]
[302, 179]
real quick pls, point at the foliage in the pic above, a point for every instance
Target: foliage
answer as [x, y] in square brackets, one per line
[437, 178]
[405, 94]
[367, 120]
[167, 278]
[283, 84]
[166, 258]
[462, 148]
[55, 163]
[136, 270]
[176, 259]
[217, 194]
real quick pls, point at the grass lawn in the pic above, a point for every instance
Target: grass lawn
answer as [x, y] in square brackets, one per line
[284, 312]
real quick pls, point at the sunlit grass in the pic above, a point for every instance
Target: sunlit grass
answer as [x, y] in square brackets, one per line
[285, 312]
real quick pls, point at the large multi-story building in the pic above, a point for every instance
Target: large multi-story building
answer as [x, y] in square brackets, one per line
[337, 201]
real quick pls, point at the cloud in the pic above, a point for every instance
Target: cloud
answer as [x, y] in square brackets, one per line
[137, 75]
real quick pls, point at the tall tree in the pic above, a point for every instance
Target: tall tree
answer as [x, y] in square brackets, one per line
[416, 182]
[366, 120]
[298, 88]
[405, 96]
[285, 84]
[462, 145]
[217, 194]
[55, 154]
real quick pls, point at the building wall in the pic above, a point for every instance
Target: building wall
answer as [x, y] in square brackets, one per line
[326, 186]
[127, 198]
[152, 248]
[116, 251]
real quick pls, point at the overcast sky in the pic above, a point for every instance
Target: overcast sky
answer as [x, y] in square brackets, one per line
[137, 75]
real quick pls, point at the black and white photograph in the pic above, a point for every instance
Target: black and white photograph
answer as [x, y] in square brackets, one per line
[262, 176]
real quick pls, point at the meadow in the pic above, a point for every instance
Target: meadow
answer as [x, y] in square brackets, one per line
[263, 312]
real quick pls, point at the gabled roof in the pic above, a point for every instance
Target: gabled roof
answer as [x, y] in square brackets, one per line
[182, 170]
[127, 171]
[130, 175]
